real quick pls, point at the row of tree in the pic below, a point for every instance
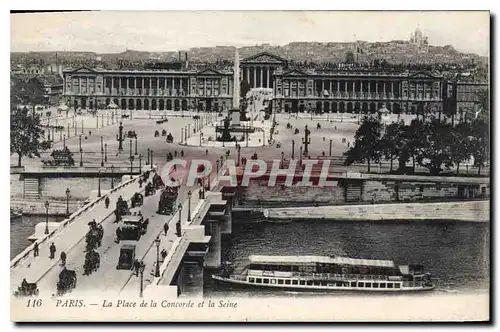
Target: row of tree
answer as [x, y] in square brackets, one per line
[431, 143]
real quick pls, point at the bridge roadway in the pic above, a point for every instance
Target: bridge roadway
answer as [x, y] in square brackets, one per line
[107, 279]
[69, 239]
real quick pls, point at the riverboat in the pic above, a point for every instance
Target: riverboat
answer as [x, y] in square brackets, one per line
[323, 273]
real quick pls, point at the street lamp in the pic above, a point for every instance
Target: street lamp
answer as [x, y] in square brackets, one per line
[189, 206]
[99, 183]
[239, 151]
[147, 160]
[68, 192]
[178, 224]
[201, 136]
[81, 152]
[282, 159]
[131, 163]
[152, 158]
[135, 145]
[112, 173]
[157, 243]
[105, 152]
[141, 268]
[102, 153]
[46, 217]
[293, 149]
[140, 163]
[182, 134]
[217, 163]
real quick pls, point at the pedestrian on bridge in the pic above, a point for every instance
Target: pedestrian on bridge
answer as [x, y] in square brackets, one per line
[52, 250]
[63, 258]
[165, 228]
[118, 234]
[106, 202]
[35, 250]
[140, 182]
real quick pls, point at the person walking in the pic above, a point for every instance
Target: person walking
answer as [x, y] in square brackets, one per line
[165, 228]
[106, 202]
[63, 258]
[35, 250]
[52, 250]
[118, 234]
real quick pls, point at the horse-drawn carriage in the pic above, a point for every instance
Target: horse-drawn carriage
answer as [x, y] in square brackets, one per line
[157, 182]
[60, 158]
[127, 257]
[26, 289]
[168, 198]
[170, 138]
[149, 189]
[67, 281]
[94, 236]
[131, 134]
[121, 209]
[136, 200]
[92, 262]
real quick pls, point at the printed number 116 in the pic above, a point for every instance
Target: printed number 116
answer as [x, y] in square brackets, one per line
[34, 303]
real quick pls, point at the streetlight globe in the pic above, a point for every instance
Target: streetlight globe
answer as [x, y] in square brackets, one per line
[189, 193]
[47, 204]
[180, 207]
[68, 192]
[157, 242]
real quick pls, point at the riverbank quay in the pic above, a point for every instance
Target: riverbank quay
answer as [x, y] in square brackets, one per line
[470, 211]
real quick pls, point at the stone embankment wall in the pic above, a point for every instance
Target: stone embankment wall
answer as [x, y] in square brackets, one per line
[475, 211]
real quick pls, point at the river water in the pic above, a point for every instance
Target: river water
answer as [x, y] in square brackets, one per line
[22, 228]
[457, 253]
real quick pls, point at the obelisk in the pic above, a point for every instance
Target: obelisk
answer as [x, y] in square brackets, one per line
[235, 115]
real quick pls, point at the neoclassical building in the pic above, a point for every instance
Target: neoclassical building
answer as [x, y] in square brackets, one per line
[149, 89]
[294, 90]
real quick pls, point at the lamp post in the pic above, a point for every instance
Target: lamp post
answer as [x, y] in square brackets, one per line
[140, 163]
[131, 165]
[152, 158]
[330, 154]
[293, 149]
[130, 148]
[64, 141]
[201, 137]
[135, 151]
[217, 163]
[300, 157]
[157, 270]
[189, 206]
[112, 173]
[282, 159]
[306, 140]
[46, 217]
[147, 160]
[182, 135]
[99, 183]
[105, 152]
[81, 151]
[102, 153]
[68, 192]
[141, 272]
[178, 224]
[239, 152]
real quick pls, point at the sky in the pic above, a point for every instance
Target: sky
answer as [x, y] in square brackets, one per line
[159, 31]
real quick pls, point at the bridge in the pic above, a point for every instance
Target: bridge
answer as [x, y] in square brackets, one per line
[194, 245]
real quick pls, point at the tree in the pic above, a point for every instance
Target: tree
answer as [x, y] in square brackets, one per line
[30, 92]
[366, 143]
[481, 142]
[462, 144]
[26, 135]
[390, 142]
[244, 88]
[436, 148]
[349, 57]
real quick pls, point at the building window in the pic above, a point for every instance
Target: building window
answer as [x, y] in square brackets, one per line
[280, 281]
[287, 281]
[258, 280]
[382, 285]
[398, 285]
[294, 282]
[353, 284]
[309, 282]
[266, 281]
[251, 279]
[302, 282]
[390, 285]
[368, 285]
[361, 284]
[375, 285]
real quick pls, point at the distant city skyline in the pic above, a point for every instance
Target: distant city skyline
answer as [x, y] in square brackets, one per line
[163, 31]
